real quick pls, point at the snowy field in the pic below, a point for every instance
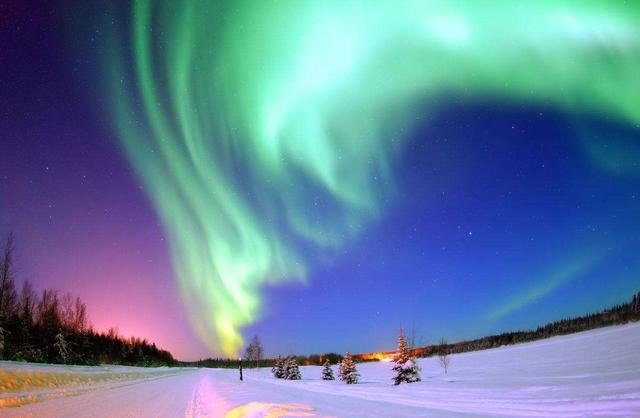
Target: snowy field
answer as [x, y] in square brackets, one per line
[594, 373]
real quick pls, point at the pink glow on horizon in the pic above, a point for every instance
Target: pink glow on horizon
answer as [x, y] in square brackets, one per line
[120, 270]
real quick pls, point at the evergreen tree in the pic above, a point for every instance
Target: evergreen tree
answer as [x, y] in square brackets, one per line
[282, 368]
[327, 372]
[278, 368]
[406, 368]
[1, 343]
[292, 372]
[348, 372]
[635, 303]
[61, 348]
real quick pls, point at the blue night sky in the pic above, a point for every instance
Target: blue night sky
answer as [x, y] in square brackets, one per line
[497, 201]
[496, 213]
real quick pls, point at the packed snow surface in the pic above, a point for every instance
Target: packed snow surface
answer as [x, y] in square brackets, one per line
[594, 373]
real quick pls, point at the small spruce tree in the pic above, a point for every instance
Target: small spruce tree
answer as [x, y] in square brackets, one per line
[278, 368]
[292, 369]
[282, 368]
[406, 368]
[61, 349]
[348, 372]
[327, 372]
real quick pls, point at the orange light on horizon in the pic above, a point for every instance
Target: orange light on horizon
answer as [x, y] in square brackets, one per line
[377, 356]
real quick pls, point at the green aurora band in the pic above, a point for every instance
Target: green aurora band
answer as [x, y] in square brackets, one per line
[265, 132]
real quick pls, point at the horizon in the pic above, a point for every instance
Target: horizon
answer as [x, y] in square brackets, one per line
[420, 346]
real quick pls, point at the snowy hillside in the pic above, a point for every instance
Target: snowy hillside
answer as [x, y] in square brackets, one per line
[594, 373]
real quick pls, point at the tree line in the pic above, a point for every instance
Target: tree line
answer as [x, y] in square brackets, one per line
[616, 315]
[619, 314]
[229, 363]
[254, 356]
[52, 327]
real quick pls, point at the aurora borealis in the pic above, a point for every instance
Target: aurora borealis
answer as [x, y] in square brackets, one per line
[274, 140]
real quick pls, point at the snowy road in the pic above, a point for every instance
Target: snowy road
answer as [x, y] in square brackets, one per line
[596, 373]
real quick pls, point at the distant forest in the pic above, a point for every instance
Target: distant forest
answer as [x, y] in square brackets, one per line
[619, 314]
[226, 363]
[53, 328]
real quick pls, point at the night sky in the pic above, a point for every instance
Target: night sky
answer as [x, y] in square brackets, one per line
[199, 175]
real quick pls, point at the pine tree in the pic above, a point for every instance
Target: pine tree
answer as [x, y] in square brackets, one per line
[282, 368]
[406, 368]
[278, 368]
[61, 348]
[635, 303]
[327, 372]
[1, 343]
[348, 372]
[292, 371]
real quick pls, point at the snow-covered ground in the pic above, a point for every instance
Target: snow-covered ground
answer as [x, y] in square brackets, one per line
[594, 373]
